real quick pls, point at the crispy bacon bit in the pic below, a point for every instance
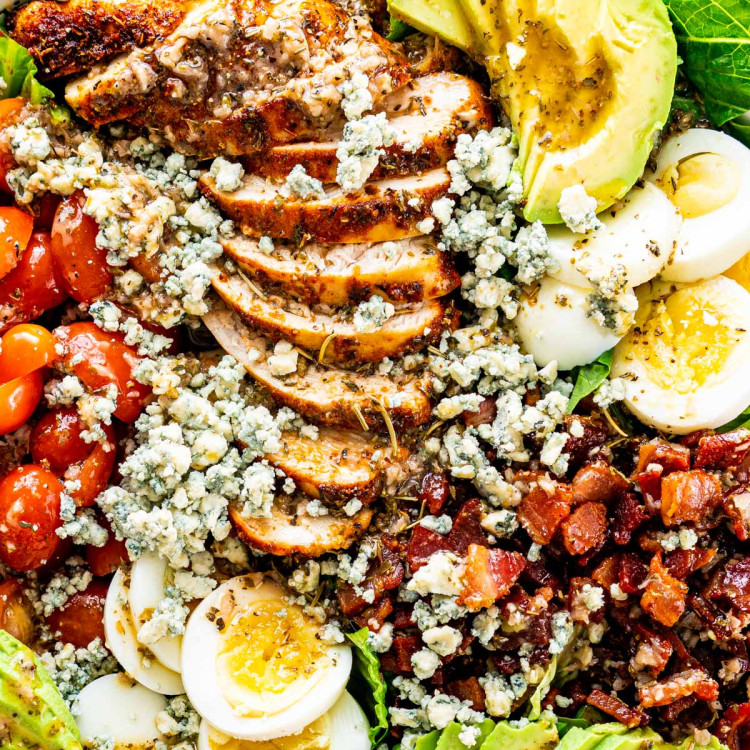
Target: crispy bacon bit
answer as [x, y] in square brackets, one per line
[631, 573]
[684, 562]
[490, 575]
[598, 482]
[423, 543]
[385, 573]
[606, 573]
[579, 604]
[649, 480]
[671, 712]
[736, 505]
[581, 449]
[434, 492]
[467, 528]
[541, 514]
[664, 597]
[585, 528]
[404, 616]
[690, 682]
[617, 709]
[654, 650]
[735, 585]
[670, 456]
[468, 690]
[711, 615]
[725, 451]
[688, 496]
[398, 659]
[733, 729]
[486, 414]
[374, 617]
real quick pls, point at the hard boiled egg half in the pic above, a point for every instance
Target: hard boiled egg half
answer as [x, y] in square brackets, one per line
[253, 664]
[685, 361]
[706, 175]
[344, 727]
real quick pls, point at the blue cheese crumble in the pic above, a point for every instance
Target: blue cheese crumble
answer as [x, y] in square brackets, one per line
[360, 150]
[578, 210]
[371, 314]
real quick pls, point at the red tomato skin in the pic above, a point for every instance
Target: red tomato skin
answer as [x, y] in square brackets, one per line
[81, 619]
[16, 227]
[104, 358]
[107, 559]
[56, 439]
[29, 517]
[18, 399]
[80, 264]
[95, 471]
[25, 348]
[47, 208]
[32, 286]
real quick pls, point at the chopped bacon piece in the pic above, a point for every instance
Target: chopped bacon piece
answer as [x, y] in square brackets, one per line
[649, 480]
[541, 514]
[467, 528]
[435, 491]
[631, 573]
[374, 617]
[690, 682]
[628, 514]
[654, 650]
[585, 528]
[725, 451]
[404, 616]
[398, 659]
[598, 482]
[580, 603]
[468, 690]
[689, 496]
[670, 456]
[735, 585]
[711, 615]
[673, 710]
[606, 573]
[733, 729]
[384, 574]
[617, 709]
[684, 562]
[486, 414]
[423, 543]
[594, 435]
[490, 575]
[664, 597]
[736, 505]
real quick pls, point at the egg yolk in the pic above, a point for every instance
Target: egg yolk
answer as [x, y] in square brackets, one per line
[740, 272]
[315, 736]
[267, 647]
[701, 184]
[683, 340]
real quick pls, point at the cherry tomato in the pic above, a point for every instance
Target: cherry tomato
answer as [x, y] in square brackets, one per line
[18, 399]
[81, 619]
[25, 348]
[107, 559]
[9, 111]
[175, 333]
[29, 517]
[99, 358]
[16, 227]
[32, 286]
[56, 439]
[46, 210]
[16, 614]
[81, 265]
[148, 267]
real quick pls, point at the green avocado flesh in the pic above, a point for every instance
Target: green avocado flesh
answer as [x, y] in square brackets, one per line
[585, 83]
[32, 713]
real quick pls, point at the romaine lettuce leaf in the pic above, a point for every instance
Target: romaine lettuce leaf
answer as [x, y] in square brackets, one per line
[368, 686]
[589, 377]
[18, 72]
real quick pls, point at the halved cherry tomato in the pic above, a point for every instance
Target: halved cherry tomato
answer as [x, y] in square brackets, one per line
[32, 286]
[46, 210]
[81, 265]
[107, 559]
[25, 348]
[29, 517]
[16, 227]
[99, 358]
[81, 619]
[9, 111]
[18, 399]
[16, 613]
[175, 333]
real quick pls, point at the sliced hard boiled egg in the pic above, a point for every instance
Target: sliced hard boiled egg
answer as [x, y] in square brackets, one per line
[253, 664]
[122, 641]
[118, 707]
[740, 272]
[147, 580]
[640, 234]
[706, 175]
[685, 361]
[344, 727]
[554, 325]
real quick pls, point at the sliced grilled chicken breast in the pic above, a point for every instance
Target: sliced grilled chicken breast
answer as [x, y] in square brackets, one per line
[427, 114]
[412, 327]
[287, 532]
[329, 396]
[338, 465]
[381, 212]
[68, 37]
[408, 270]
[237, 76]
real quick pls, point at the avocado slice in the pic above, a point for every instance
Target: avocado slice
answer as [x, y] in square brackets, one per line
[449, 739]
[33, 713]
[433, 15]
[536, 735]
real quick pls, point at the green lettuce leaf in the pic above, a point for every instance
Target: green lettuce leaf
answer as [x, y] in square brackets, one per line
[18, 72]
[714, 41]
[368, 686]
[589, 378]
[535, 702]
[398, 30]
[741, 420]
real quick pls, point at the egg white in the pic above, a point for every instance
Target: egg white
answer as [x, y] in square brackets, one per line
[640, 233]
[118, 707]
[349, 728]
[201, 646]
[711, 243]
[679, 408]
[554, 326]
[122, 641]
[147, 577]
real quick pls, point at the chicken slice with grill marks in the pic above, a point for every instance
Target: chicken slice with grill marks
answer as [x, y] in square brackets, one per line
[411, 328]
[69, 37]
[329, 396]
[408, 270]
[291, 531]
[238, 76]
[427, 115]
[387, 209]
[337, 465]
